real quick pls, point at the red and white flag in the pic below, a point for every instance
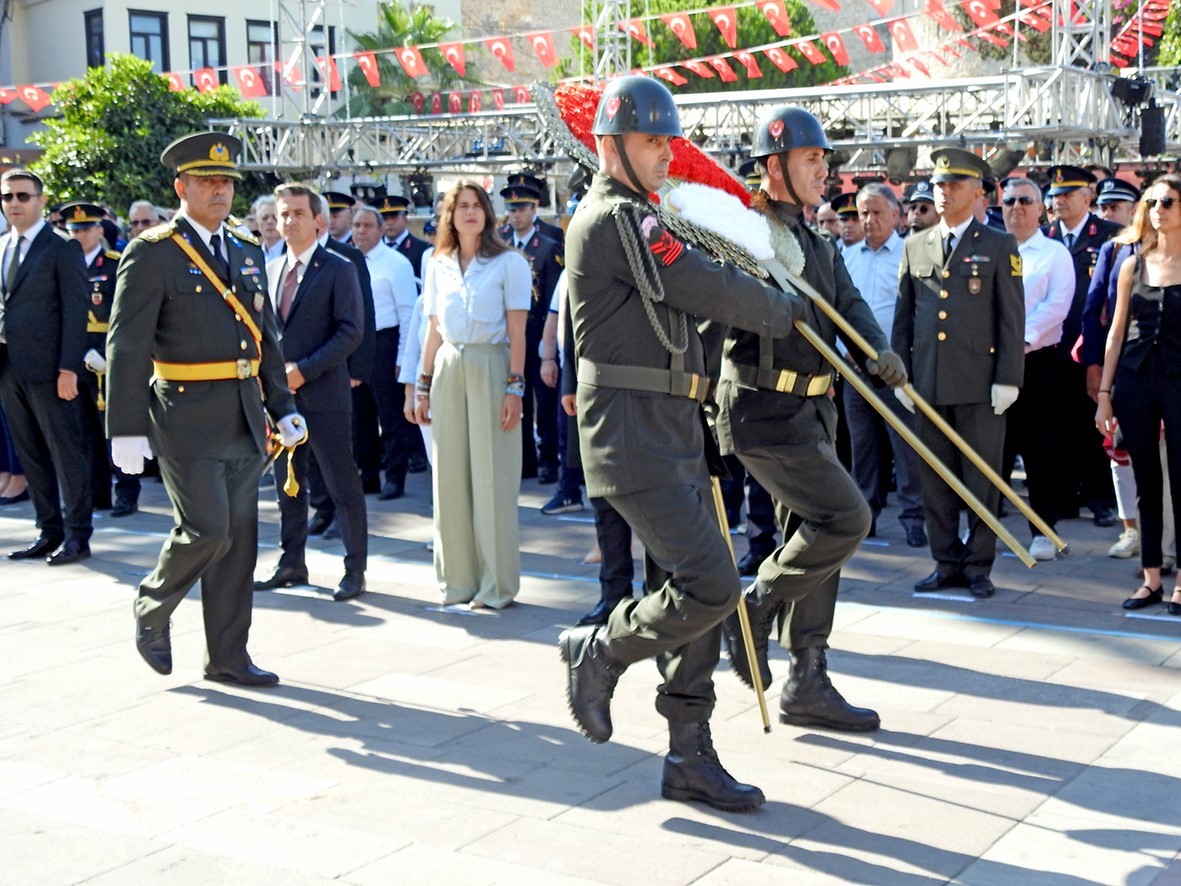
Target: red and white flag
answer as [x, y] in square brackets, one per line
[587, 35]
[543, 45]
[811, 53]
[367, 62]
[981, 13]
[723, 68]
[205, 79]
[249, 83]
[453, 52]
[781, 59]
[881, 7]
[33, 96]
[521, 95]
[8, 95]
[455, 102]
[777, 15]
[436, 103]
[176, 83]
[939, 14]
[726, 20]
[503, 50]
[498, 98]
[836, 46]
[701, 69]
[682, 26]
[870, 37]
[671, 76]
[411, 60]
[329, 71]
[747, 60]
[474, 101]
[635, 28]
[903, 36]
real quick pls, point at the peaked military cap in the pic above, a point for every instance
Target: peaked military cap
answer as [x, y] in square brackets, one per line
[844, 204]
[528, 180]
[390, 204]
[920, 190]
[749, 173]
[79, 215]
[337, 200]
[956, 164]
[204, 153]
[1116, 190]
[521, 195]
[1064, 179]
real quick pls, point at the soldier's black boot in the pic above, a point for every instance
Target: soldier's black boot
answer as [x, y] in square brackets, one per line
[809, 699]
[763, 610]
[692, 772]
[592, 675]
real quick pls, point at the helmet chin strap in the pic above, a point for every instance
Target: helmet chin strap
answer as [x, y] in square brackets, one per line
[791, 190]
[632, 179]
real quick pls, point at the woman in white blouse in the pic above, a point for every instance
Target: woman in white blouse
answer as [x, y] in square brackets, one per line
[476, 291]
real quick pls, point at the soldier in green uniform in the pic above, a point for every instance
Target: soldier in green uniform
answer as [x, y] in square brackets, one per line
[194, 366]
[635, 295]
[83, 221]
[776, 415]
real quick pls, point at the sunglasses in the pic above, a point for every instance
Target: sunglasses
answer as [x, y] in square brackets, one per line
[21, 196]
[1024, 201]
[921, 208]
[1163, 202]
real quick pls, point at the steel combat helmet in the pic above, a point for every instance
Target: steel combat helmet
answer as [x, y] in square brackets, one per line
[637, 104]
[785, 128]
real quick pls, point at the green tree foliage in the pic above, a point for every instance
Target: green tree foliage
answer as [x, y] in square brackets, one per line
[1170, 42]
[396, 27]
[112, 125]
[753, 30]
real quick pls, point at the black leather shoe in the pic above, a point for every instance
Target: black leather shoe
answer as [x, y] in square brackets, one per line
[748, 566]
[155, 645]
[15, 499]
[391, 490]
[352, 585]
[1154, 597]
[282, 577]
[547, 474]
[248, 676]
[1103, 516]
[331, 531]
[809, 698]
[981, 587]
[598, 615]
[319, 522]
[370, 485]
[591, 677]
[71, 552]
[915, 536]
[937, 581]
[693, 772]
[42, 547]
[1173, 608]
[124, 508]
[416, 464]
[763, 611]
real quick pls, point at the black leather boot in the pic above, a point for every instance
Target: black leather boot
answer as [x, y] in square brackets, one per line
[592, 675]
[763, 610]
[809, 699]
[692, 772]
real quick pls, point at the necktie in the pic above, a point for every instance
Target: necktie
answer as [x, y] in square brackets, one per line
[948, 246]
[219, 263]
[1069, 241]
[287, 296]
[14, 262]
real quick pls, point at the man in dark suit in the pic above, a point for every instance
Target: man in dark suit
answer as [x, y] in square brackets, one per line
[554, 232]
[1085, 468]
[397, 236]
[317, 299]
[959, 326]
[340, 215]
[540, 458]
[42, 340]
[194, 368]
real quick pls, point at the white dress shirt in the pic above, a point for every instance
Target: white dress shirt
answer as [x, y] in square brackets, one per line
[1047, 275]
[470, 307]
[875, 274]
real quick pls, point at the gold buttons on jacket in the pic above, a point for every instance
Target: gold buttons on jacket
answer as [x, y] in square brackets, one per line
[198, 287]
[943, 315]
[943, 293]
[243, 345]
[946, 273]
[943, 336]
[181, 389]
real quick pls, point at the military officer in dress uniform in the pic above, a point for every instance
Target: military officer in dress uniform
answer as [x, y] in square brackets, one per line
[641, 379]
[397, 236]
[84, 223]
[848, 220]
[959, 326]
[195, 371]
[528, 180]
[1085, 470]
[340, 215]
[776, 416]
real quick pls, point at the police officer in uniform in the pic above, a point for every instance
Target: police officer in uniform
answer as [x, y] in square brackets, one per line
[635, 295]
[554, 232]
[960, 327]
[397, 235]
[776, 416]
[920, 206]
[194, 369]
[84, 223]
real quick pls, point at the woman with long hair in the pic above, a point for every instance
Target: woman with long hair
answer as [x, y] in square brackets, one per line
[476, 292]
[1140, 389]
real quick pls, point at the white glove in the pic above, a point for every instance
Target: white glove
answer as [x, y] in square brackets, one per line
[904, 399]
[1003, 396]
[94, 361]
[128, 453]
[293, 430]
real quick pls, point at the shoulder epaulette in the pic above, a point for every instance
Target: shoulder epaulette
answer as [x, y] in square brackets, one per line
[114, 254]
[158, 233]
[238, 229]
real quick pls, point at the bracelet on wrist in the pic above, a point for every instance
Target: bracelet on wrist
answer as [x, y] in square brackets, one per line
[1105, 391]
[515, 389]
[514, 377]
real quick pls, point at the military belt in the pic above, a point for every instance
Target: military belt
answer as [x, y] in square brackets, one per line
[644, 378]
[785, 381]
[96, 326]
[228, 369]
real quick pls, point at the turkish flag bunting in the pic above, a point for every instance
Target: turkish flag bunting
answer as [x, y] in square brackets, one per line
[411, 60]
[671, 76]
[993, 39]
[249, 83]
[980, 12]
[777, 16]
[700, 69]
[498, 98]
[7, 94]
[587, 35]
[473, 102]
[436, 103]
[938, 12]
[454, 102]
[870, 37]
[726, 19]
[830, 5]
[635, 27]
[748, 61]
[836, 46]
[723, 68]
[367, 62]
[418, 100]
[35, 97]
[966, 44]
[543, 45]
[811, 53]
[521, 95]
[503, 50]
[205, 79]
[291, 73]
[453, 52]
[329, 71]
[882, 7]
[682, 26]
[1035, 21]
[920, 66]
[781, 59]
[175, 83]
[903, 36]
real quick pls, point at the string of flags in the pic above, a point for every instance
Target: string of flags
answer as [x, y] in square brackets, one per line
[255, 81]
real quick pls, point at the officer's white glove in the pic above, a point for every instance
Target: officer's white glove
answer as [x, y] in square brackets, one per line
[904, 399]
[293, 430]
[1003, 396]
[94, 361]
[128, 453]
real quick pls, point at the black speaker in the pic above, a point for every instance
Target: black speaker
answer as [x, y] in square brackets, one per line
[1152, 130]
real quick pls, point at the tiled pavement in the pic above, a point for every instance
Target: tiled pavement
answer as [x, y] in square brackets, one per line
[1030, 739]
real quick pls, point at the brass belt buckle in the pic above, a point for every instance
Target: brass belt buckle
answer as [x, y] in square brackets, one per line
[819, 384]
[787, 381]
[243, 369]
[694, 380]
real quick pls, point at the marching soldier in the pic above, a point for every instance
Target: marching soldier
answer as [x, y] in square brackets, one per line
[776, 416]
[641, 380]
[194, 369]
[84, 223]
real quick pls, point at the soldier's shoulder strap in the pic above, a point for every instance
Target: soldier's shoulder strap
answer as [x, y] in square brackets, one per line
[113, 254]
[159, 232]
[238, 229]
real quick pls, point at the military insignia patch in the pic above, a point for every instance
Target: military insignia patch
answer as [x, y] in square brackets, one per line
[1015, 264]
[974, 285]
[219, 152]
[258, 302]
